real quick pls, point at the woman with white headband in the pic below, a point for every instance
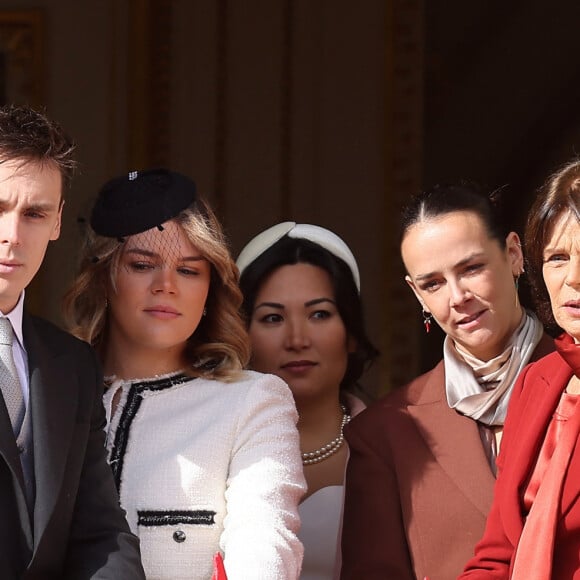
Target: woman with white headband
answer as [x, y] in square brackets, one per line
[301, 289]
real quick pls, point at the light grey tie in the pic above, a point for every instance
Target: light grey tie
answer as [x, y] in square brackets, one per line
[9, 383]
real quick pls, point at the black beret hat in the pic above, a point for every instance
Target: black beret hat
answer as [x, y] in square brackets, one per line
[140, 201]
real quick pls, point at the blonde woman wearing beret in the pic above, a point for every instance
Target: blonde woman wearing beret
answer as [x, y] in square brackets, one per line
[205, 454]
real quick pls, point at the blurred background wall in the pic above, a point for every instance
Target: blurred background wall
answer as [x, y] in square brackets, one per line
[324, 111]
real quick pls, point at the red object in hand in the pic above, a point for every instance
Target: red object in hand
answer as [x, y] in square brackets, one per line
[219, 572]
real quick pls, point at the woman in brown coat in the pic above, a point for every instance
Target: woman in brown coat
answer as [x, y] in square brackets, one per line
[422, 464]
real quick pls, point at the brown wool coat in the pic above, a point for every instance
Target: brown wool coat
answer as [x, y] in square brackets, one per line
[418, 486]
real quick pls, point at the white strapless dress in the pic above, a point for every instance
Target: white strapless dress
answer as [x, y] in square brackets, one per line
[320, 516]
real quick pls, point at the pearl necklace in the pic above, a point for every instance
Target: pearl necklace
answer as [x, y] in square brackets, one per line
[324, 452]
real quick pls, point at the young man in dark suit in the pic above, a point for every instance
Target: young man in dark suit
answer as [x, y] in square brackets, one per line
[59, 511]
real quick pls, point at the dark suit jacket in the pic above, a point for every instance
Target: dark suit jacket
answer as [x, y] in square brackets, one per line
[418, 485]
[77, 530]
[533, 402]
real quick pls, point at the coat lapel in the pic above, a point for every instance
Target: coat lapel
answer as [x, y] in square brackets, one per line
[53, 405]
[455, 443]
[539, 400]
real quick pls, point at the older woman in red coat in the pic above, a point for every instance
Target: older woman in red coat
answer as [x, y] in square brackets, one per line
[533, 529]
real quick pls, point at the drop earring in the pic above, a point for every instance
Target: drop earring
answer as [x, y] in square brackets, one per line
[427, 318]
[517, 285]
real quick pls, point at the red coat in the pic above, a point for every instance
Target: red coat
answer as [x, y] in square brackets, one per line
[536, 396]
[418, 485]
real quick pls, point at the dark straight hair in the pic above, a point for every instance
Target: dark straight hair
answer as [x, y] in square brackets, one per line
[288, 251]
[444, 199]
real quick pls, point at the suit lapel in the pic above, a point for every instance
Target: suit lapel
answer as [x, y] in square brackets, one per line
[8, 449]
[53, 405]
[9, 453]
[455, 443]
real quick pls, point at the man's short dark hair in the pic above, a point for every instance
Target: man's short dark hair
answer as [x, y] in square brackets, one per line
[29, 135]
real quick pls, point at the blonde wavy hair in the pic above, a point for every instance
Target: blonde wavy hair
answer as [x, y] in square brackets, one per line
[219, 348]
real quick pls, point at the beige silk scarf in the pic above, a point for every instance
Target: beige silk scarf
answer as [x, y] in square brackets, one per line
[481, 390]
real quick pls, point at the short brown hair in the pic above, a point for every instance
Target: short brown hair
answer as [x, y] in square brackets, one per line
[560, 195]
[28, 135]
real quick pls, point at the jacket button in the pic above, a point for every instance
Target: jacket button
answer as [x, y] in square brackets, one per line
[179, 536]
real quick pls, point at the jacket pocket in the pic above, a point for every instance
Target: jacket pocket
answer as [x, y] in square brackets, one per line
[174, 543]
[150, 518]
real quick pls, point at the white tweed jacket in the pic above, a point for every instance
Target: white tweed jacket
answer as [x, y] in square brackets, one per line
[204, 466]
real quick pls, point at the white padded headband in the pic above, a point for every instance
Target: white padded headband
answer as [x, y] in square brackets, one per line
[315, 234]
